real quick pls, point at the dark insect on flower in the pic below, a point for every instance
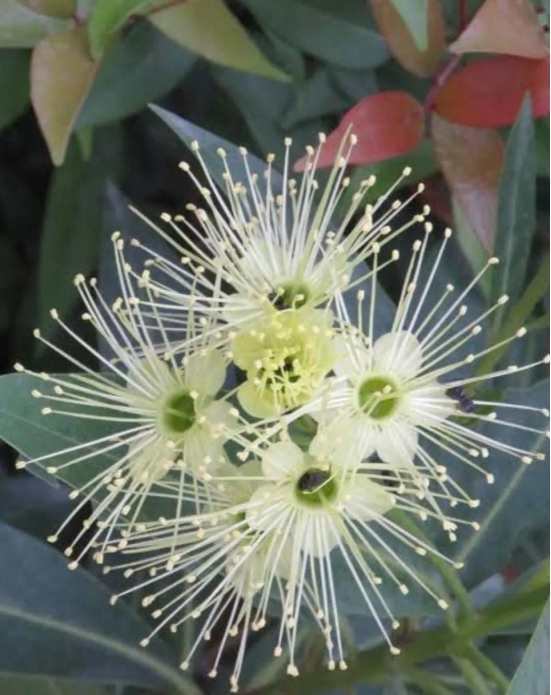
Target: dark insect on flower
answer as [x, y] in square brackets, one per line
[458, 394]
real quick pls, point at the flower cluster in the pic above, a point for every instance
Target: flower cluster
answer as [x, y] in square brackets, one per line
[264, 444]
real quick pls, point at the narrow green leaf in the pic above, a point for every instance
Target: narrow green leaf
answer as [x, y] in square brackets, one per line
[415, 14]
[143, 66]
[210, 144]
[518, 315]
[517, 501]
[20, 27]
[70, 235]
[516, 208]
[107, 18]
[25, 685]
[531, 677]
[323, 32]
[208, 28]
[14, 84]
[62, 623]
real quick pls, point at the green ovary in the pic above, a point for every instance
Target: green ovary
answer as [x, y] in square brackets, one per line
[179, 412]
[316, 487]
[378, 397]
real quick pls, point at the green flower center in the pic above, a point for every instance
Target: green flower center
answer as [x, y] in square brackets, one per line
[179, 412]
[290, 297]
[315, 487]
[378, 397]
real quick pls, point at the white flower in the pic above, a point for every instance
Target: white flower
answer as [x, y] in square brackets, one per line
[329, 507]
[398, 395]
[211, 565]
[157, 416]
[274, 248]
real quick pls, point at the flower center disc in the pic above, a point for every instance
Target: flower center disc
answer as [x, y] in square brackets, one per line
[179, 412]
[315, 487]
[290, 297]
[378, 397]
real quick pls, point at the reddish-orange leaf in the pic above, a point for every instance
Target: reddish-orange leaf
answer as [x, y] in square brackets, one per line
[504, 26]
[401, 43]
[387, 124]
[62, 73]
[471, 160]
[489, 92]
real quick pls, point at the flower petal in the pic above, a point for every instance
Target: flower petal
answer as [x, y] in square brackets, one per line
[352, 357]
[205, 373]
[266, 502]
[254, 404]
[398, 354]
[365, 499]
[396, 443]
[282, 460]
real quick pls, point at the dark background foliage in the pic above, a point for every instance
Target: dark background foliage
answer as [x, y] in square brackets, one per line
[455, 89]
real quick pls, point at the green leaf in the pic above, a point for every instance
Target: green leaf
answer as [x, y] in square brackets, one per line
[107, 18]
[32, 434]
[70, 235]
[323, 32]
[53, 8]
[531, 678]
[516, 208]
[210, 143]
[143, 66]
[415, 15]
[14, 85]
[61, 623]
[264, 105]
[20, 27]
[208, 28]
[25, 685]
[516, 502]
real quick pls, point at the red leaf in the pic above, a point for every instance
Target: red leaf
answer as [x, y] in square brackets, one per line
[387, 124]
[401, 43]
[504, 26]
[489, 92]
[471, 160]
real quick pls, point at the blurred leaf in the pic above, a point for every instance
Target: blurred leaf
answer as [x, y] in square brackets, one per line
[387, 125]
[53, 8]
[504, 26]
[208, 28]
[516, 214]
[142, 67]
[531, 678]
[20, 27]
[519, 314]
[55, 622]
[62, 73]
[21, 685]
[70, 235]
[414, 14]
[107, 18]
[210, 143]
[394, 27]
[266, 105]
[14, 84]
[543, 145]
[489, 92]
[10, 274]
[314, 97]
[325, 35]
[23, 426]
[471, 159]
[519, 498]
[354, 84]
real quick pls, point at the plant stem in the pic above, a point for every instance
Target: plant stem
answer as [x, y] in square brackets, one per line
[426, 682]
[487, 667]
[473, 677]
[374, 665]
